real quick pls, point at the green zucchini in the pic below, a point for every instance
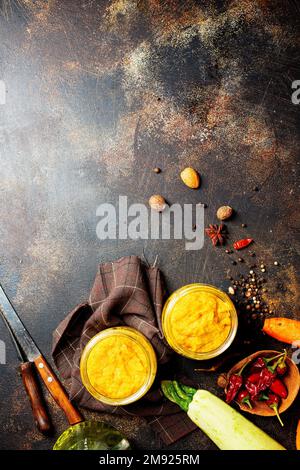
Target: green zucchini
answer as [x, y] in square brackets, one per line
[188, 390]
[181, 398]
[227, 428]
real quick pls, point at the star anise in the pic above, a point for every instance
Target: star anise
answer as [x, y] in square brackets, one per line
[217, 234]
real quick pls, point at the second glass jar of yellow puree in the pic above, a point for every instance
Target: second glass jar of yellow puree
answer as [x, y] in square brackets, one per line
[199, 321]
[118, 366]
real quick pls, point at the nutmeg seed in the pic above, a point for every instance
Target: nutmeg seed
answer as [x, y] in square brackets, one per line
[222, 380]
[157, 203]
[190, 177]
[224, 212]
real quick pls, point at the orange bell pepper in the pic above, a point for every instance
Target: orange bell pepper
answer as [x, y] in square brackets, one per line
[298, 436]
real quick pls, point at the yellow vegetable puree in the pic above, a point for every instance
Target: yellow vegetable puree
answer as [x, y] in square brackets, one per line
[200, 322]
[117, 367]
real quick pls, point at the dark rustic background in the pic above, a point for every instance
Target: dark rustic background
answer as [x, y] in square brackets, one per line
[100, 92]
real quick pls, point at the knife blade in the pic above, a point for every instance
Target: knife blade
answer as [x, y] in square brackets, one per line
[20, 353]
[31, 385]
[22, 336]
[34, 355]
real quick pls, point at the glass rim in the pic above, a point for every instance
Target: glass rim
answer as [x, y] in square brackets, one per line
[144, 345]
[169, 304]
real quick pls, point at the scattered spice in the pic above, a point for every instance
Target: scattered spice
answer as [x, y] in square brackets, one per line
[217, 234]
[231, 290]
[244, 225]
[276, 263]
[192, 109]
[190, 177]
[240, 244]
[249, 295]
[224, 212]
[157, 170]
[280, 286]
[157, 203]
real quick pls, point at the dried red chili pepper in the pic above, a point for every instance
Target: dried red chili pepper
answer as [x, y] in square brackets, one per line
[238, 245]
[268, 373]
[281, 368]
[252, 389]
[273, 402]
[261, 362]
[262, 374]
[234, 384]
[244, 398]
[258, 365]
[279, 388]
[266, 378]
[280, 356]
[254, 377]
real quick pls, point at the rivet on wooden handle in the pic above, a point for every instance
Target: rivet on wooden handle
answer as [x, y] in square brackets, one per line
[33, 389]
[57, 391]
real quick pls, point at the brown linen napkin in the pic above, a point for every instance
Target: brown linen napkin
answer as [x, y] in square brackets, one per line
[125, 292]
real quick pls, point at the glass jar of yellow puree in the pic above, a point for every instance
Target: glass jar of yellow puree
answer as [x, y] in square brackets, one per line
[118, 366]
[199, 321]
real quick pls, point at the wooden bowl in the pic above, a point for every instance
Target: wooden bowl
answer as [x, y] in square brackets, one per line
[291, 380]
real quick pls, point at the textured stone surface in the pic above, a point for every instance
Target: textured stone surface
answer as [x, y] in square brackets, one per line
[99, 93]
